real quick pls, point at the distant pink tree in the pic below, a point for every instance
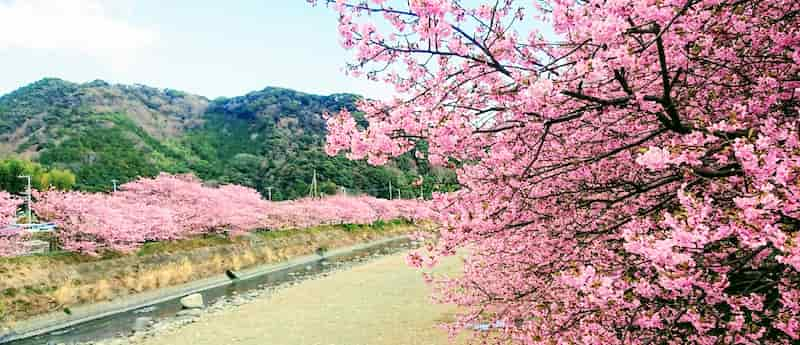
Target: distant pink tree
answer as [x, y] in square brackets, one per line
[172, 207]
[93, 222]
[630, 168]
[11, 240]
[343, 210]
[197, 208]
[8, 208]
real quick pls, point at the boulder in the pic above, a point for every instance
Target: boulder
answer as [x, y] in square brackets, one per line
[193, 301]
[190, 313]
[232, 275]
[141, 323]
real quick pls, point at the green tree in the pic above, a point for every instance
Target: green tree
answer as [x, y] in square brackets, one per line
[61, 179]
[328, 188]
[12, 168]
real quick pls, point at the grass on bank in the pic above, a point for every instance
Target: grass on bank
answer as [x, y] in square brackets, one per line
[38, 292]
[201, 241]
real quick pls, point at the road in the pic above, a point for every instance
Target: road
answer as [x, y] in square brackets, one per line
[382, 302]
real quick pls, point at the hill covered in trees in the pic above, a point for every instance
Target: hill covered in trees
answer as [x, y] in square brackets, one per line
[272, 138]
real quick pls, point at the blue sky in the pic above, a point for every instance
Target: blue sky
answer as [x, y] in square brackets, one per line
[208, 47]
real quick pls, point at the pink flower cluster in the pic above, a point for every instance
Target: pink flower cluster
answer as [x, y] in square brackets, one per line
[171, 207]
[630, 169]
[304, 213]
[8, 208]
[10, 239]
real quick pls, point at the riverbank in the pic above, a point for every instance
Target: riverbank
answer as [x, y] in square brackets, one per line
[37, 285]
[380, 302]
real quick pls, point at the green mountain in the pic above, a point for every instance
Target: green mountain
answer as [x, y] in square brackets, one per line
[268, 139]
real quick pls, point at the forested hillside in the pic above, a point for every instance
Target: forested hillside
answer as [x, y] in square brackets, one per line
[266, 139]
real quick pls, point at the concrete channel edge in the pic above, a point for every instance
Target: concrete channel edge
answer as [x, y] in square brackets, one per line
[59, 320]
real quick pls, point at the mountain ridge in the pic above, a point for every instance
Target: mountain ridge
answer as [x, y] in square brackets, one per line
[266, 139]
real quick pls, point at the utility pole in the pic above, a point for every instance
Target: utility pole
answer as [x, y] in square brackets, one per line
[28, 192]
[314, 193]
[390, 189]
[114, 182]
[269, 193]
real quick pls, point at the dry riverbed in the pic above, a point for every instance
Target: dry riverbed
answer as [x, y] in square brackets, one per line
[33, 286]
[377, 301]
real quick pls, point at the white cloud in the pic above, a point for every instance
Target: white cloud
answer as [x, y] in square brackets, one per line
[86, 27]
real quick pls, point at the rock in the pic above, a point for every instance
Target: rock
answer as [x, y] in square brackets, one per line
[238, 301]
[232, 275]
[141, 323]
[193, 301]
[190, 312]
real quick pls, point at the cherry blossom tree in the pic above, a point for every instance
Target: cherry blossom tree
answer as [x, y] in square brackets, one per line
[173, 207]
[629, 168]
[8, 208]
[333, 210]
[11, 240]
[197, 208]
[93, 222]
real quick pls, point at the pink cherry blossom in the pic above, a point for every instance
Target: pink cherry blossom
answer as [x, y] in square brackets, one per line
[629, 178]
[11, 240]
[655, 159]
[172, 207]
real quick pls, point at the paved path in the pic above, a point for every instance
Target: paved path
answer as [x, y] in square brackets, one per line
[377, 303]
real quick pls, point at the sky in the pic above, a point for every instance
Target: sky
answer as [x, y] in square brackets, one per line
[208, 47]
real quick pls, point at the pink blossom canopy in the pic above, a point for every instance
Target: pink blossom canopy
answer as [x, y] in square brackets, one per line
[631, 177]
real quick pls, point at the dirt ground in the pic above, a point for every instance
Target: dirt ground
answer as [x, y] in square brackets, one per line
[382, 302]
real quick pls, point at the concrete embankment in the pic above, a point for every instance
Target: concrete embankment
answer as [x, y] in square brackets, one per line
[44, 287]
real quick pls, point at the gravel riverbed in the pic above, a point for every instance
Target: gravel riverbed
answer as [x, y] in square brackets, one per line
[373, 299]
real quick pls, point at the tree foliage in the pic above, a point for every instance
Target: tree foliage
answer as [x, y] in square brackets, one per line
[42, 179]
[267, 139]
[274, 139]
[631, 178]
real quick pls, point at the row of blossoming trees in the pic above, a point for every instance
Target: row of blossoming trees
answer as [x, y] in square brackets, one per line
[172, 207]
[630, 169]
